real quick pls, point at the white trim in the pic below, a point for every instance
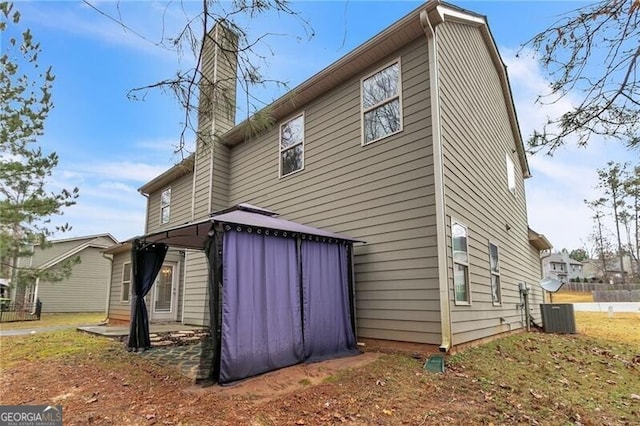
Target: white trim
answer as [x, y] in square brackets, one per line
[467, 264]
[122, 300]
[497, 274]
[171, 314]
[184, 283]
[280, 150]
[459, 16]
[364, 110]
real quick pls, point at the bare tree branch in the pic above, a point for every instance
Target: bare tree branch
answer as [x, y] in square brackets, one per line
[591, 54]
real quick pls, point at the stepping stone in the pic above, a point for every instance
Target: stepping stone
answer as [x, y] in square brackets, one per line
[155, 339]
[162, 343]
[191, 339]
[177, 335]
[153, 335]
[187, 332]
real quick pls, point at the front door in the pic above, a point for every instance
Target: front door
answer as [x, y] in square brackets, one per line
[164, 295]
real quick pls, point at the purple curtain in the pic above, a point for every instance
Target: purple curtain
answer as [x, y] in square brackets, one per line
[327, 325]
[146, 261]
[261, 326]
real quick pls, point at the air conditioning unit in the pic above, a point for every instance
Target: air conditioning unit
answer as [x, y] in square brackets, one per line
[558, 318]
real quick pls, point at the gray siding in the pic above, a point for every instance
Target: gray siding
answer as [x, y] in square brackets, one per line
[121, 311]
[41, 256]
[84, 291]
[180, 206]
[196, 311]
[381, 193]
[118, 310]
[476, 138]
[216, 117]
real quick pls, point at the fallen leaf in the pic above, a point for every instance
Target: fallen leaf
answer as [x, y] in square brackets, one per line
[387, 412]
[90, 401]
[635, 396]
[300, 422]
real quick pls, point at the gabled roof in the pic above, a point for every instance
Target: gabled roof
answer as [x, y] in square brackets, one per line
[182, 168]
[65, 248]
[377, 48]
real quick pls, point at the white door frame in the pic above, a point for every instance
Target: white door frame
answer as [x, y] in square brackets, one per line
[170, 315]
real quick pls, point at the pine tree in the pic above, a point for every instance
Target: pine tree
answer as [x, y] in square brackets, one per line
[26, 204]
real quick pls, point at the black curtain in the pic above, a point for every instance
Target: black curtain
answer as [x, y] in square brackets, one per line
[146, 261]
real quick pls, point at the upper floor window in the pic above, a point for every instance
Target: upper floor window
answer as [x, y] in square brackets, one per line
[381, 103]
[494, 267]
[125, 288]
[511, 175]
[292, 146]
[460, 262]
[165, 205]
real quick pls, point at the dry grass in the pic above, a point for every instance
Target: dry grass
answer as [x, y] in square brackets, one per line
[50, 320]
[528, 378]
[623, 327]
[573, 297]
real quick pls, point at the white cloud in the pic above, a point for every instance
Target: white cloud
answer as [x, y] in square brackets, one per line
[122, 170]
[560, 183]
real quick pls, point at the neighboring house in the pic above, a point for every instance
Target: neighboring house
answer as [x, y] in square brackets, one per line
[561, 267]
[594, 269]
[85, 290]
[410, 143]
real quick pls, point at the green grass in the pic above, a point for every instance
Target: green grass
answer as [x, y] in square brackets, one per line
[49, 320]
[52, 345]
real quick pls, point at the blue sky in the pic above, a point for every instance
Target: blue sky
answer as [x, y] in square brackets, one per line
[109, 146]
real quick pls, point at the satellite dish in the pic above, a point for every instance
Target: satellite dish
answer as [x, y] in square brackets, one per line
[551, 284]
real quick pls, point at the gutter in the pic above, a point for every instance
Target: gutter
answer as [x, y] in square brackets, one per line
[438, 178]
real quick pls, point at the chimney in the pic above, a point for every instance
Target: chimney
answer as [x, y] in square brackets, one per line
[216, 115]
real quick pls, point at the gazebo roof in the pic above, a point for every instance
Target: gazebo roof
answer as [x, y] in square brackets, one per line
[195, 235]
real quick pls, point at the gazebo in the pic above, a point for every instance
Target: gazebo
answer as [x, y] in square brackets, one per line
[279, 292]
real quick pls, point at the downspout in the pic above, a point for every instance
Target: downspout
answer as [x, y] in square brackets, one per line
[146, 213]
[438, 179]
[35, 295]
[109, 257]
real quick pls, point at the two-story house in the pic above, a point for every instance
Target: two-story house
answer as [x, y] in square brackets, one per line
[561, 267]
[411, 143]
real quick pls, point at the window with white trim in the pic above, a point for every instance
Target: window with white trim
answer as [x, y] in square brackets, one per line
[381, 103]
[511, 175]
[494, 268]
[292, 146]
[125, 288]
[460, 253]
[165, 206]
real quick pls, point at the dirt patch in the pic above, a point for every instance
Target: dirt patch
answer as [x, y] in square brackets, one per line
[271, 385]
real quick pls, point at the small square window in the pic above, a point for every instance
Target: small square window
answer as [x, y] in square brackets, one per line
[292, 146]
